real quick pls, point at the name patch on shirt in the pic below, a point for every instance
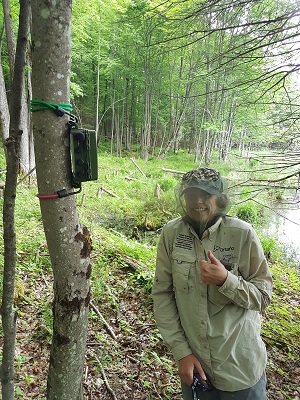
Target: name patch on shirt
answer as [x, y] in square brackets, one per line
[184, 242]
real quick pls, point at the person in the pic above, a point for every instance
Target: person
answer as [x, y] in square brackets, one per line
[211, 283]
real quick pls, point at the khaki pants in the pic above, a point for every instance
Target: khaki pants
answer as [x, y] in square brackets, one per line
[256, 392]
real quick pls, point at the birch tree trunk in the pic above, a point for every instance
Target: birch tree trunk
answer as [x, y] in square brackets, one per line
[68, 242]
[12, 166]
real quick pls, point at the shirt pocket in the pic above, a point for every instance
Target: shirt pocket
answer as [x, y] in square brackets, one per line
[183, 272]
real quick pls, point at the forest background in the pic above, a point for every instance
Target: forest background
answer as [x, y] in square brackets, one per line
[174, 85]
[169, 75]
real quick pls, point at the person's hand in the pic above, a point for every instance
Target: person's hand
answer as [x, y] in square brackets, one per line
[187, 366]
[212, 272]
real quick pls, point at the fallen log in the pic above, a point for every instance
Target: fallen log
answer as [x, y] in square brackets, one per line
[106, 324]
[103, 189]
[136, 265]
[129, 178]
[144, 175]
[173, 171]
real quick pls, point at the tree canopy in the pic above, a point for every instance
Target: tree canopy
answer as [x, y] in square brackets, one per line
[197, 75]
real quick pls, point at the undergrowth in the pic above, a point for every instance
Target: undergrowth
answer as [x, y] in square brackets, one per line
[124, 231]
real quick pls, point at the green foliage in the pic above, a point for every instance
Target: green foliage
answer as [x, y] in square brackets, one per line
[133, 44]
[167, 183]
[271, 247]
[282, 323]
[247, 212]
[144, 280]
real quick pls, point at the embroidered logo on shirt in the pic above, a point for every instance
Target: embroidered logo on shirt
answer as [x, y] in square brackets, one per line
[184, 242]
[221, 249]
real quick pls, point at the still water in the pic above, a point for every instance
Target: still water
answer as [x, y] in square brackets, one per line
[284, 225]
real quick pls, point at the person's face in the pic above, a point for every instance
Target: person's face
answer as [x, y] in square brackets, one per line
[201, 206]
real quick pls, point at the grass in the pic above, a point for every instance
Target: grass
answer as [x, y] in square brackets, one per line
[125, 230]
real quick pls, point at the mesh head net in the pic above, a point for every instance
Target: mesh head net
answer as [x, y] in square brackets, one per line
[208, 180]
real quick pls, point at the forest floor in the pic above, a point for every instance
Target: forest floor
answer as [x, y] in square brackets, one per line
[125, 357]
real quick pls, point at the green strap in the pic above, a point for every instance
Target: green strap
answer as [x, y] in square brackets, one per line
[40, 105]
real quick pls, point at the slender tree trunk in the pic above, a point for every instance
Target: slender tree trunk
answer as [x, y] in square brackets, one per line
[103, 125]
[25, 139]
[98, 88]
[148, 103]
[68, 242]
[24, 145]
[200, 141]
[178, 122]
[31, 141]
[12, 161]
[118, 133]
[146, 130]
[112, 100]
[241, 142]
[132, 120]
[10, 36]
[4, 110]
[126, 135]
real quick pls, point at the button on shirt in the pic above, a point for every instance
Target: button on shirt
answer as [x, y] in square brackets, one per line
[220, 325]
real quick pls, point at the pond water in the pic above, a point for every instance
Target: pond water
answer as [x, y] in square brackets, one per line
[284, 224]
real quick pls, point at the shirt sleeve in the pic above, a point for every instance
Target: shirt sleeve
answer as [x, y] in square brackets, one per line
[165, 309]
[252, 287]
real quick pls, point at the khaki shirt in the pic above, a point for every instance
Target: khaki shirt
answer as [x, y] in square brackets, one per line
[219, 324]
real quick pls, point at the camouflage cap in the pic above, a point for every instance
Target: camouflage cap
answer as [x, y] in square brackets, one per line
[206, 179]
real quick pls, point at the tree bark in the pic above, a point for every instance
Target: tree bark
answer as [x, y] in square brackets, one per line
[10, 36]
[4, 110]
[12, 161]
[24, 144]
[68, 242]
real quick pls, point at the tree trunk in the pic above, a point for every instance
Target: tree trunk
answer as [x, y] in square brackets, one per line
[25, 139]
[146, 129]
[112, 133]
[31, 141]
[10, 36]
[24, 145]
[126, 134]
[98, 87]
[178, 123]
[68, 242]
[4, 110]
[12, 161]
[182, 101]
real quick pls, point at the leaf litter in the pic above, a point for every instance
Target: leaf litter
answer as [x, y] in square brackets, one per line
[134, 364]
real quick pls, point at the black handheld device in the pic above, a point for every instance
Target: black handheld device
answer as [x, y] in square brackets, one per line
[199, 385]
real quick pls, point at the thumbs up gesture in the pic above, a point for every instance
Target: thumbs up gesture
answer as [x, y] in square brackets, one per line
[212, 272]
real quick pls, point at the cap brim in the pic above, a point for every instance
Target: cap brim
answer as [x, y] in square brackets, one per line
[205, 188]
